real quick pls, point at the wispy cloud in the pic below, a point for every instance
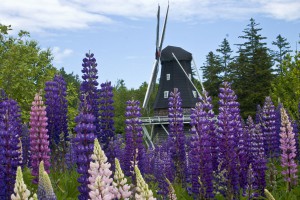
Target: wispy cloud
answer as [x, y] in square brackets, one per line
[59, 54]
[40, 15]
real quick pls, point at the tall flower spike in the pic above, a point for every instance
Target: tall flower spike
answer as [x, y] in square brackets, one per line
[288, 151]
[177, 136]
[202, 132]
[271, 140]
[228, 136]
[57, 108]
[256, 154]
[107, 121]
[84, 145]
[122, 189]
[45, 190]
[134, 149]
[100, 181]
[10, 130]
[20, 191]
[88, 88]
[39, 144]
[142, 189]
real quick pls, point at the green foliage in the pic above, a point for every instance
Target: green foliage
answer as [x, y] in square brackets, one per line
[283, 49]
[24, 68]
[286, 86]
[181, 193]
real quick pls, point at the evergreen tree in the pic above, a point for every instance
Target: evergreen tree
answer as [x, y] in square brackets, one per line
[283, 49]
[225, 57]
[252, 69]
[212, 75]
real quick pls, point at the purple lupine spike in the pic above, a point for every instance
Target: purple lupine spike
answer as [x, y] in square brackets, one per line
[25, 146]
[288, 151]
[88, 88]
[177, 136]
[256, 154]
[134, 149]
[202, 130]
[84, 145]
[70, 157]
[39, 138]
[258, 115]
[271, 139]
[116, 148]
[163, 168]
[296, 131]
[228, 135]
[57, 108]
[10, 130]
[107, 120]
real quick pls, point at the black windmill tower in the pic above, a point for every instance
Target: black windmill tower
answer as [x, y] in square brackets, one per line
[176, 72]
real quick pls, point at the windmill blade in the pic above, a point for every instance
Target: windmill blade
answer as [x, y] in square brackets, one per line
[157, 33]
[186, 74]
[164, 30]
[151, 83]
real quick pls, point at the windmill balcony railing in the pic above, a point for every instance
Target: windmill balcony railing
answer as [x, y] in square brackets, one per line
[162, 119]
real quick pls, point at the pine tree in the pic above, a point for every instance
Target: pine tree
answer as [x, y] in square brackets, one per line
[212, 75]
[225, 57]
[283, 49]
[252, 69]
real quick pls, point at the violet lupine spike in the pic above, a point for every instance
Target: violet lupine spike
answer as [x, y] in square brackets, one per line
[288, 151]
[177, 136]
[258, 115]
[163, 168]
[84, 145]
[39, 138]
[271, 139]
[88, 88]
[256, 154]
[25, 146]
[134, 149]
[228, 137]
[10, 130]
[107, 119]
[202, 130]
[296, 131]
[70, 157]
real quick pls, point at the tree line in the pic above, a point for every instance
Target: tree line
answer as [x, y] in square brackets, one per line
[254, 70]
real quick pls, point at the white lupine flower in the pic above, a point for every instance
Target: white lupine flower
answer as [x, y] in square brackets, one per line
[20, 191]
[121, 188]
[142, 189]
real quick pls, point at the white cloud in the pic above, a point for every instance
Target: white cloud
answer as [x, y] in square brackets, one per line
[59, 54]
[41, 15]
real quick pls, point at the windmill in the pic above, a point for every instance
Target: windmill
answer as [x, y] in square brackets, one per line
[176, 72]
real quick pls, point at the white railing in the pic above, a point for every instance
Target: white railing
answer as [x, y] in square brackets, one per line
[161, 119]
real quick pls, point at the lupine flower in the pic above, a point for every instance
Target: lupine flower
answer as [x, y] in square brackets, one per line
[20, 191]
[134, 149]
[57, 108]
[100, 182]
[271, 140]
[163, 168]
[202, 130]
[258, 115]
[88, 88]
[45, 190]
[84, 145]
[288, 148]
[177, 136]
[70, 157]
[10, 130]
[142, 189]
[25, 146]
[122, 189]
[228, 136]
[107, 121]
[39, 144]
[256, 154]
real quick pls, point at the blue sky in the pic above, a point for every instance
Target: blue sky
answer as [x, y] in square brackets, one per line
[121, 33]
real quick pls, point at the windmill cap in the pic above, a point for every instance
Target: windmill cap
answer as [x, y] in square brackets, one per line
[180, 53]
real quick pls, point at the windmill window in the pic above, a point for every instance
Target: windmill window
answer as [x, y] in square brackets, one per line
[168, 77]
[166, 94]
[195, 93]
